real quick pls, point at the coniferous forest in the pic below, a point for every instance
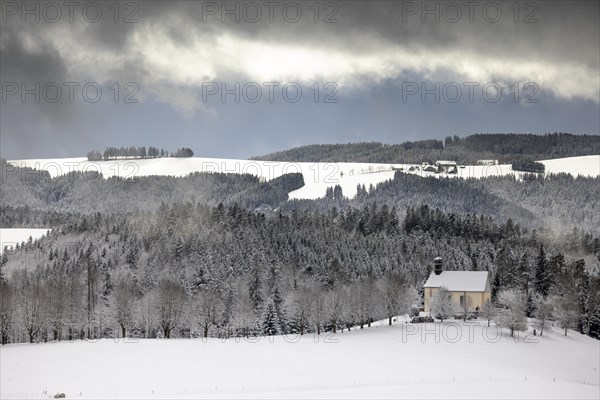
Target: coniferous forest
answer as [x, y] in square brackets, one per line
[505, 147]
[228, 255]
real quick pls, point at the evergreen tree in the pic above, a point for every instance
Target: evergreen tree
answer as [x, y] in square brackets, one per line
[556, 266]
[228, 298]
[3, 262]
[529, 305]
[255, 289]
[523, 276]
[335, 274]
[329, 193]
[271, 323]
[505, 268]
[199, 279]
[133, 254]
[278, 303]
[583, 292]
[496, 286]
[337, 193]
[542, 272]
[178, 250]
[474, 266]
[595, 324]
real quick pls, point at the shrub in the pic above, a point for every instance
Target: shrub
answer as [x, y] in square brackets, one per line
[414, 310]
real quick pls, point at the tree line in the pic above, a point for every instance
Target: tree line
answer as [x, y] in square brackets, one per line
[113, 153]
[528, 165]
[505, 147]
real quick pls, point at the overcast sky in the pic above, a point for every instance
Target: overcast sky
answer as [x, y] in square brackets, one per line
[367, 71]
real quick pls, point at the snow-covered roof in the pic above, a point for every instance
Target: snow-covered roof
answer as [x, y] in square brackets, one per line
[457, 281]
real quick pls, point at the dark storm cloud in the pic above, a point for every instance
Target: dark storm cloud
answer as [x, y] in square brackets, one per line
[173, 47]
[564, 30]
[554, 29]
[39, 62]
[22, 65]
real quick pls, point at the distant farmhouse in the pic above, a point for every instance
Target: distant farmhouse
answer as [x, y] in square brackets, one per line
[487, 162]
[426, 167]
[470, 286]
[448, 167]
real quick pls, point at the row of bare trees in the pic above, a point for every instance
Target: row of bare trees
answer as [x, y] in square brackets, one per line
[35, 307]
[216, 312]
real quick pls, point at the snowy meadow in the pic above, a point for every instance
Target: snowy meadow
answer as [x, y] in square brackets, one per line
[453, 359]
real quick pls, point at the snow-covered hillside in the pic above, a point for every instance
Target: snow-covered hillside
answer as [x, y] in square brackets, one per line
[585, 166]
[317, 176]
[10, 237]
[442, 360]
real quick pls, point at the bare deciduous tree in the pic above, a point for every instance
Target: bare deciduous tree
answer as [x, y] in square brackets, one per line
[170, 300]
[6, 311]
[441, 304]
[146, 314]
[544, 310]
[32, 309]
[244, 318]
[488, 311]
[334, 308]
[122, 301]
[362, 299]
[319, 311]
[300, 305]
[467, 303]
[396, 298]
[55, 306]
[566, 309]
[512, 315]
[206, 307]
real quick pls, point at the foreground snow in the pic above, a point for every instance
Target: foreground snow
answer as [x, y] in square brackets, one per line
[403, 361]
[11, 236]
[317, 176]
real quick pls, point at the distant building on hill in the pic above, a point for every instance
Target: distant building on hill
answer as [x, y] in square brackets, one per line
[449, 167]
[487, 162]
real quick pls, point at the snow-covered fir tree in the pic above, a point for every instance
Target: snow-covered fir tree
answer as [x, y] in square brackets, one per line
[270, 321]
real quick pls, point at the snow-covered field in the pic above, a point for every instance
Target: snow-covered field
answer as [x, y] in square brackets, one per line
[585, 166]
[10, 237]
[442, 360]
[317, 176]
